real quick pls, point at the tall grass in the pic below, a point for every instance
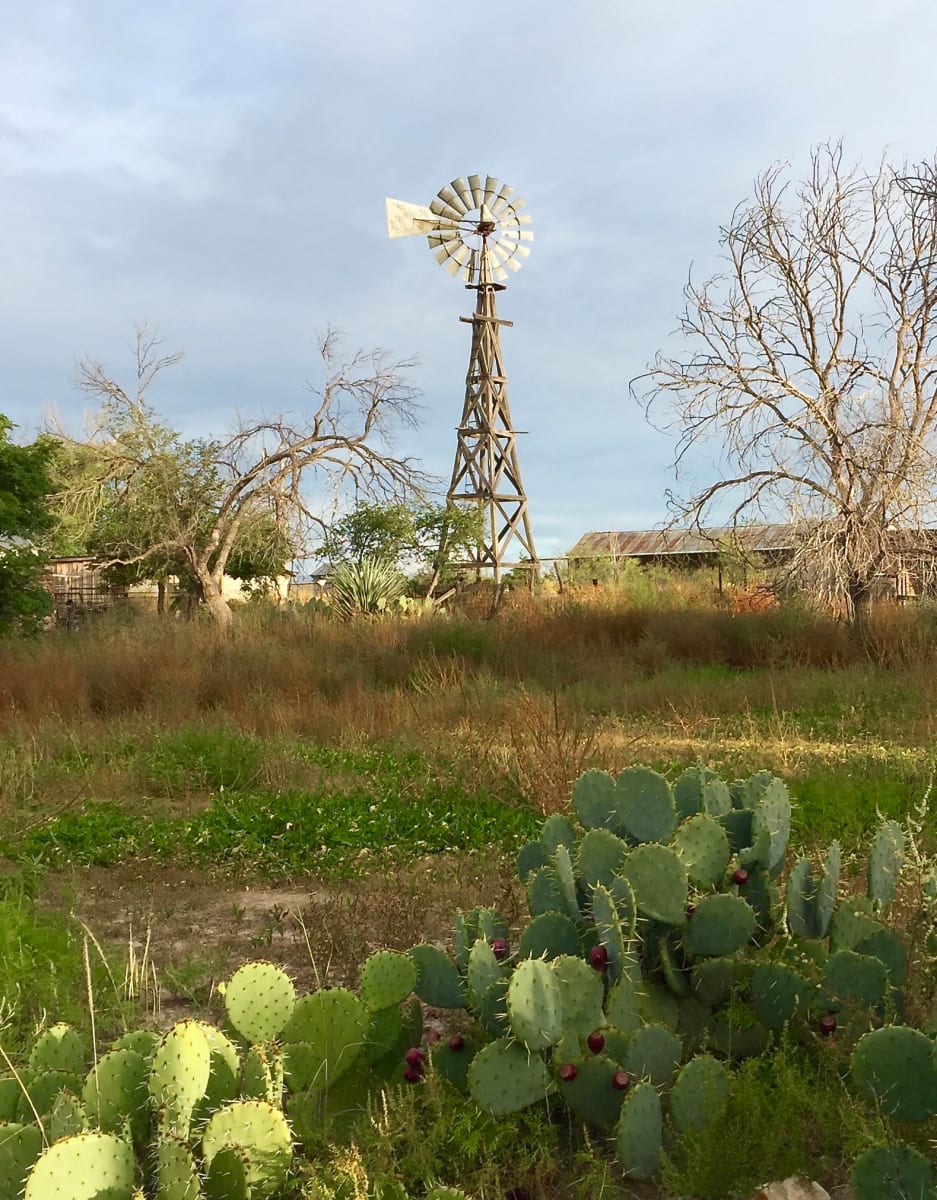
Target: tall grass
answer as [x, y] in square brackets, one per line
[522, 702]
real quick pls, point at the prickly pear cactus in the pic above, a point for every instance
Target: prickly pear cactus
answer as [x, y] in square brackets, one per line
[699, 1094]
[179, 1075]
[640, 1132]
[20, 1146]
[886, 858]
[535, 1005]
[387, 978]
[895, 1067]
[504, 1077]
[893, 1172]
[259, 999]
[58, 1048]
[83, 1167]
[261, 1131]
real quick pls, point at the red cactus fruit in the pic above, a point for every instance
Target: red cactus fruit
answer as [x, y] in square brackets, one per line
[413, 1074]
[740, 877]
[828, 1024]
[415, 1057]
[499, 948]
[690, 910]
[457, 1042]
[598, 957]
[433, 1036]
[621, 1080]
[596, 1042]
[568, 1072]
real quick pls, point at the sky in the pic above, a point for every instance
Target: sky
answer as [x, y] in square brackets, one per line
[218, 170]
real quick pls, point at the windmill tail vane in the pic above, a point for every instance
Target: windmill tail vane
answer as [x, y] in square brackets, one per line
[479, 232]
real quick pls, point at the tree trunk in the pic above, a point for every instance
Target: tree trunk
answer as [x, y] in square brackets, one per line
[214, 601]
[161, 589]
[860, 602]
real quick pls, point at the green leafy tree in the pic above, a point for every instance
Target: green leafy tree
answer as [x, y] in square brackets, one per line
[408, 535]
[25, 520]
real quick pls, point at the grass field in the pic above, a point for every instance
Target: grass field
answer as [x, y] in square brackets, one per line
[316, 790]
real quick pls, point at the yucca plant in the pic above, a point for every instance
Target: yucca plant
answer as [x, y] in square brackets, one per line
[365, 587]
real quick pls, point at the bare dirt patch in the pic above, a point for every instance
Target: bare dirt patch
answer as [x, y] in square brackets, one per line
[195, 928]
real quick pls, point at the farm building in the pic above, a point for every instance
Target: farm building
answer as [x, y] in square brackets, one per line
[765, 548]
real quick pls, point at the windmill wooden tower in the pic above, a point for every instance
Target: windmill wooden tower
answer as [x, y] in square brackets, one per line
[476, 230]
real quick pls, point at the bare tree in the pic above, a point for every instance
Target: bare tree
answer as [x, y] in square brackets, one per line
[194, 499]
[811, 365]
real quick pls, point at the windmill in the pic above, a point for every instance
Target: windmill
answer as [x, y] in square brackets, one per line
[476, 230]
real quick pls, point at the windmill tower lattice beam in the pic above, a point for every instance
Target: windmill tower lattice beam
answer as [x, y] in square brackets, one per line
[477, 230]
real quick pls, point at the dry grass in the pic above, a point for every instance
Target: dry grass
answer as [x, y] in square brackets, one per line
[551, 686]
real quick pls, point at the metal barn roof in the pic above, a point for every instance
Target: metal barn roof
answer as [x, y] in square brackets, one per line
[654, 543]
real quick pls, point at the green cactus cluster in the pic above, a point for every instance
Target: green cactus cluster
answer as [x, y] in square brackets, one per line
[659, 949]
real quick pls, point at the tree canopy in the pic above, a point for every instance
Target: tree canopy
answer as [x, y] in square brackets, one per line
[25, 519]
[151, 501]
[810, 369]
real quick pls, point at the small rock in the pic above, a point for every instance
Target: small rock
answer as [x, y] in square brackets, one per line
[792, 1189]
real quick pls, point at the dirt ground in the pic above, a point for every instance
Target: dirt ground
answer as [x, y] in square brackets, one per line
[190, 930]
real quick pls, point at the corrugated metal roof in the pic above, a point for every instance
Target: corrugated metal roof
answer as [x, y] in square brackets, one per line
[653, 543]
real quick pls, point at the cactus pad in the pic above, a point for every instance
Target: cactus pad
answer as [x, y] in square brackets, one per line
[530, 858]
[886, 857]
[660, 883]
[720, 926]
[566, 881]
[699, 1094]
[591, 1094]
[556, 831]
[893, 1170]
[581, 994]
[772, 819]
[653, 1053]
[20, 1146]
[116, 1090]
[67, 1118]
[535, 1005]
[179, 1074]
[856, 979]
[779, 994]
[638, 1141]
[323, 1037]
[387, 978]
[600, 855]
[622, 1006]
[83, 1167]
[608, 931]
[483, 970]
[543, 892]
[261, 1131]
[896, 1066]
[737, 823]
[703, 847]
[226, 1177]
[503, 1078]
[453, 1064]
[58, 1048]
[549, 935]
[438, 982]
[827, 890]
[144, 1041]
[595, 799]
[176, 1174]
[42, 1091]
[645, 807]
[259, 998]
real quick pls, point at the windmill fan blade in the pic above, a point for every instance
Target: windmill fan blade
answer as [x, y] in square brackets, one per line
[448, 196]
[461, 189]
[491, 191]
[473, 267]
[459, 260]
[504, 196]
[449, 249]
[478, 192]
[442, 209]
